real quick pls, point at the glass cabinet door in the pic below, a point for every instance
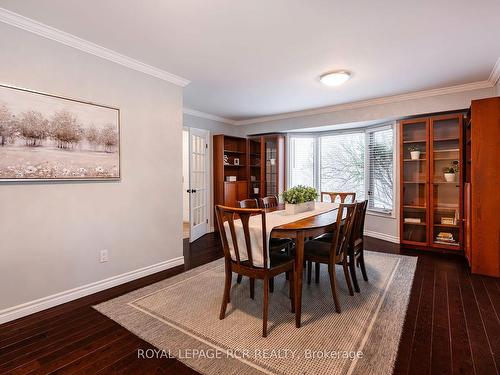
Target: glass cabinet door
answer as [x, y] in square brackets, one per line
[414, 181]
[271, 185]
[445, 170]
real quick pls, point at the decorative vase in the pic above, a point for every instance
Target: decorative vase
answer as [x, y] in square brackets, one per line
[415, 155]
[292, 209]
[449, 177]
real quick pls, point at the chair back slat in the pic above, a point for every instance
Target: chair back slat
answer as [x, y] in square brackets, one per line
[249, 203]
[359, 224]
[230, 215]
[345, 219]
[269, 201]
[343, 196]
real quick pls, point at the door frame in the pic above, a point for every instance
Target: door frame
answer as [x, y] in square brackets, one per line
[208, 191]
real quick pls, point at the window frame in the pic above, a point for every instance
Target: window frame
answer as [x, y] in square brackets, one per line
[317, 163]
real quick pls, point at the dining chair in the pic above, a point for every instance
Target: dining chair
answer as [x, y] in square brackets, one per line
[335, 251]
[234, 262]
[275, 244]
[269, 201]
[343, 196]
[356, 244]
[249, 203]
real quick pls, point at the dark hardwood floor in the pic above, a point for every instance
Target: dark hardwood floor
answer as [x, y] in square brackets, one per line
[452, 325]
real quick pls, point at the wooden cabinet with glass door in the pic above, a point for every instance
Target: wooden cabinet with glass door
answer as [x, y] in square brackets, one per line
[414, 182]
[267, 165]
[446, 181]
[431, 185]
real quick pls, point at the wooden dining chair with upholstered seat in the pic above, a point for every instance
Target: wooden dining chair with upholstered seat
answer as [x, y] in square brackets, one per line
[335, 251]
[342, 196]
[269, 201]
[275, 244]
[356, 244]
[246, 261]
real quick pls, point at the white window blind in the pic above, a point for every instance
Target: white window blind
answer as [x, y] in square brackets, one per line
[302, 161]
[380, 169]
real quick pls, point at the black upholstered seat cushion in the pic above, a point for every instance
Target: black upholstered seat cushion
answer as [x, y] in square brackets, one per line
[277, 244]
[318, 248]
[278, 258]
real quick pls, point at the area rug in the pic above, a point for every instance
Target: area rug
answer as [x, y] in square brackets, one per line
[180, 317]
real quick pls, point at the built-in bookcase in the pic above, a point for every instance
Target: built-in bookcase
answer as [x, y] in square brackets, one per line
[431, 202]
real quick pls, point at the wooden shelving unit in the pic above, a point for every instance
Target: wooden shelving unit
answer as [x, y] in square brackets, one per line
[481, 182]
[226, 192]
[425, 194]
[260, 170]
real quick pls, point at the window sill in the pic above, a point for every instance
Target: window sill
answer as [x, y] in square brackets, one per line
[389, 215]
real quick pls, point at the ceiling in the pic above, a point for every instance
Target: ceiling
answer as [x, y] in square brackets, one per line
[247, 59]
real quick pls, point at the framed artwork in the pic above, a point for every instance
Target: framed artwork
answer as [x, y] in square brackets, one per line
[45, 137]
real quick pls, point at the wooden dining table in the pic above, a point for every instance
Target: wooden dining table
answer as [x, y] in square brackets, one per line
[299, 230]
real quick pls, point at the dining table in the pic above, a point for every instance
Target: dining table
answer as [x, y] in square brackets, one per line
[300, 230]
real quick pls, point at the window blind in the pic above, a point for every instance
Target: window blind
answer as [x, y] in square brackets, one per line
[380, 169]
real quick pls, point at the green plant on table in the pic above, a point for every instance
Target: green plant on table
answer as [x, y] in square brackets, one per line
[300, 194]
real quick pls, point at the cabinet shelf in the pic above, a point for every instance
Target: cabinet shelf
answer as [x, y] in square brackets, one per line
[415, 141]
[415, 207]
[233, 152]
[415, 159]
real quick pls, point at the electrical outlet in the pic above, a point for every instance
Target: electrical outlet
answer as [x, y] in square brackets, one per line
[104, 256]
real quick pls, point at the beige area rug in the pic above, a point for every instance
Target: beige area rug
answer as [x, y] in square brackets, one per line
[179, 315]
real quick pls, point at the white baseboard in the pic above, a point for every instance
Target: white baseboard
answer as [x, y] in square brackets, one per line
[44, 303]
[381, 236]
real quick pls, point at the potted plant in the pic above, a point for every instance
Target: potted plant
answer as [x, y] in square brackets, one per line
[299, 199]
[414, 152]
[449, 172]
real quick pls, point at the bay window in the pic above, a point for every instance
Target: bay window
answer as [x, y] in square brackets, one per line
[358, 160]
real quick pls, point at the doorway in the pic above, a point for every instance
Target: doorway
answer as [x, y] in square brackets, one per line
[195, 185]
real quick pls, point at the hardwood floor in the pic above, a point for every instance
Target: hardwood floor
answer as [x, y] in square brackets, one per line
[452, 325]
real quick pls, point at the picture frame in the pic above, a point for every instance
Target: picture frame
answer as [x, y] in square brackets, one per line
[236, 161]
[48, 137]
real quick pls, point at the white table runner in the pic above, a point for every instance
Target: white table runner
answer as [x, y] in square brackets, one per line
[273, 219]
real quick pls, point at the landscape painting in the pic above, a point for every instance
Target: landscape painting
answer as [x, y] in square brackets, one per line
[46, 137]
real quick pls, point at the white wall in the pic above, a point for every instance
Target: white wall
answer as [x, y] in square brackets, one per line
[497, 88]
[51, 233]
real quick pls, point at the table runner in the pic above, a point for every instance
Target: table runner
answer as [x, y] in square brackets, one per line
[273, 219]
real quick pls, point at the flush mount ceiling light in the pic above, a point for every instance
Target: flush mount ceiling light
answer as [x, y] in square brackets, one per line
[335, 78]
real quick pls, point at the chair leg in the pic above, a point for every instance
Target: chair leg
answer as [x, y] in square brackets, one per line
[362, 264]
[227, 291]
[292, 290]
[271, 284]
[252, 288]
[317, 269]
[333, 284]
[347, 277]
[239, 278]
[352, 268]
[309, 271]
[265, 306]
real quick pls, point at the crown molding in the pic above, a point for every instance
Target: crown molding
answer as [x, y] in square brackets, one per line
[208, 116]
[371, 102]
[70, 40]
[495, 73]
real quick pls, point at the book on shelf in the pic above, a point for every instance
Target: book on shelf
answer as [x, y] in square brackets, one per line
[413, 220]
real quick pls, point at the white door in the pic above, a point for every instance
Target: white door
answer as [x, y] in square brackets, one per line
[198, 182]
